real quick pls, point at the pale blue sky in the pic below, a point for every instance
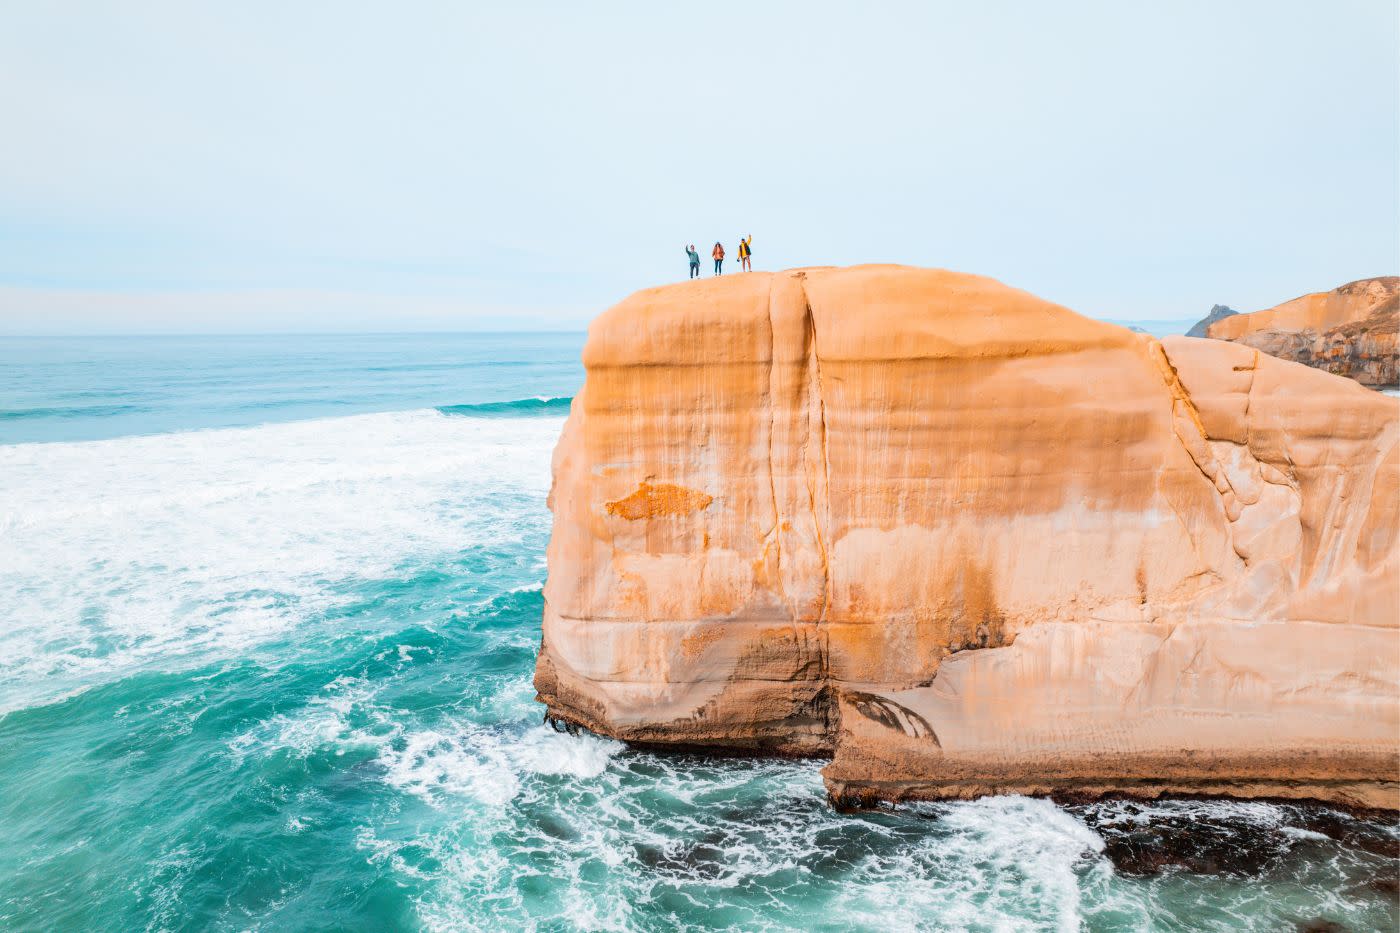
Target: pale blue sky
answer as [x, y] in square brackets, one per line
[174, 166]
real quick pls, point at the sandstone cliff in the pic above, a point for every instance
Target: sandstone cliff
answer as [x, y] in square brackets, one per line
[968, 541]
[1352, 331]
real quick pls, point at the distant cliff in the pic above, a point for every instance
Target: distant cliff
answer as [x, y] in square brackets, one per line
[1217, 313]
[1351, 331]
[968, 541]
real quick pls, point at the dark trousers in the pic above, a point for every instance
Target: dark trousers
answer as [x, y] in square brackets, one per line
[694, 269]
[718, 263]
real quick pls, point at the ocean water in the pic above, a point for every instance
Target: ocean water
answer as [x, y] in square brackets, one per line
[268, 616]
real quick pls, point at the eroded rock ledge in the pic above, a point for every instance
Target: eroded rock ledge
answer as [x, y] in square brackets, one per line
[967, 542]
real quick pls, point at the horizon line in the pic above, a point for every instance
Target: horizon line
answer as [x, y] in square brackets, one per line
[289, 333]
[417, 333]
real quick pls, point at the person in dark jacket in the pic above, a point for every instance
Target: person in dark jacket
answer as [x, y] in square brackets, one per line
[694, 261]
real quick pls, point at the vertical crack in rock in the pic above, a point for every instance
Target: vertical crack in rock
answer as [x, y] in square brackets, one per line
[1196, 445]
[1249, 397]
[774, 534]
[795, 425]
[814, 462]
[1181, 402]
[821, 514]
[821, 510]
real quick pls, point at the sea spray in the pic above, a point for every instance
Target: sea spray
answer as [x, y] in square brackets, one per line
[135, 551]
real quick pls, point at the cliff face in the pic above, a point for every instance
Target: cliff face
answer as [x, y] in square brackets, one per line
[968, 541]
[1217, 313]
[1352, 331]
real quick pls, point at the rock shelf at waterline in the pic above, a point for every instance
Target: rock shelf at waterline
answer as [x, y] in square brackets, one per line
[970, 542]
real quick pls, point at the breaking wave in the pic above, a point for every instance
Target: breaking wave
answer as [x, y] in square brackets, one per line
[519, 408]
[67, 411]
[142, 552]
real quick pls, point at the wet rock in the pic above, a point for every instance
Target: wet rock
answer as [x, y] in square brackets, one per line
[1186, 845]
[1376, 835]
[704, 861]
[1388, 884]
[1144, 840]
[1321, 926]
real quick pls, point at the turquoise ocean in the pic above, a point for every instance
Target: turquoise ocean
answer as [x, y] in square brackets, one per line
[268, 614]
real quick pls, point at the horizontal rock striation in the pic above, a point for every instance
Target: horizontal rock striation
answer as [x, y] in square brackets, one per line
[966, 541]
[1352, 331]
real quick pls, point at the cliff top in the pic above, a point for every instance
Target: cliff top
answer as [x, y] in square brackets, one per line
[1346, 304]
[866, 312]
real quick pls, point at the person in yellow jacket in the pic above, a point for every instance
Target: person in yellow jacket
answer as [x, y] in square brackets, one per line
[746, 253]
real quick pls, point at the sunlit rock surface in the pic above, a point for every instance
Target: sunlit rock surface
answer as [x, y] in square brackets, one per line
[968, 541]
[1352, 331]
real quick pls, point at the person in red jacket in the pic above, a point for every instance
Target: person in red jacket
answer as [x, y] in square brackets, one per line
[718, 254]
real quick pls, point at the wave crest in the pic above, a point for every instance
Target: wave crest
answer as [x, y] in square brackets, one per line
[516, 408]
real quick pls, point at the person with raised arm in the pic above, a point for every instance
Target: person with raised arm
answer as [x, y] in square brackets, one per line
[746, 253]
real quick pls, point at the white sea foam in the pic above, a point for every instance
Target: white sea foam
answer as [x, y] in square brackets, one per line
[757, 833]
[436, 765]
[1005, 863]
[342, 718]
[1143, 812]
[1298, 832]
[545, 751]
[468, 760]
[655, 842]
[136, 552]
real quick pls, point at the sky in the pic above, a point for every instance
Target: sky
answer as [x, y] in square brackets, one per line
[172, 167]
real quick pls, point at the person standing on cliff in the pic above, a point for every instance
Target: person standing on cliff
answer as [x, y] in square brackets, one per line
[718, 253]
[746, 253]
[694, 261]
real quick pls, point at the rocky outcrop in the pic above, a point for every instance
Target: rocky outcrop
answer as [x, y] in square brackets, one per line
[967, 541]
[1352, 331]
[1217, 313]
